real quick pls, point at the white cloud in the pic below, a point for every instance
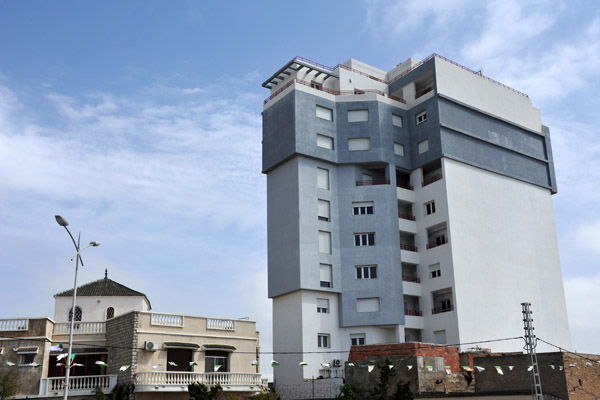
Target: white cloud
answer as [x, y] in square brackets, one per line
[584, 313]
[587, 236]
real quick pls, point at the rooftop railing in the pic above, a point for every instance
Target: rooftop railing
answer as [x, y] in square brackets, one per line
[80, 328]
[220, 324]
[167, 320]
[21, 324]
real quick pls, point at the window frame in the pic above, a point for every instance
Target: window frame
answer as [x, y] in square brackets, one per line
[325, 139]
[363, 239]
[323, 178]
[423, 146]
[359, 206]
[429, 207]
[359, 144]
[358, 337]
[400, 146]
[421, 118]
[324, 110]
[397, 118]
[358, 115]
[365, 271]
[323, 340]
[323, 310]
[323, 204]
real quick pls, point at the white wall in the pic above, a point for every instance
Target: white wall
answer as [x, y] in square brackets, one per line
[505, 252]
[94, 307]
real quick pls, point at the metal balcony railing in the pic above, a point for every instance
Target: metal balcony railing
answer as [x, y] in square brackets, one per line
[409, 247]
[437, 242]
[423, 92]
[439, 310]
[406, 216]
[410, 278]
[404, 185]
[373, 182]
[431, 179]
[416, 313]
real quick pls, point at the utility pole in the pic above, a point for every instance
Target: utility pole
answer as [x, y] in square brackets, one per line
[530, 344]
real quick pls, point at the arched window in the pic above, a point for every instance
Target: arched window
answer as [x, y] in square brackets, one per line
[110, 313]
[78, 314]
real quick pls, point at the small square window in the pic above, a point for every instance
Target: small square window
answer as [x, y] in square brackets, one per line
[397, 120]
[323, 340]
[325, 142]
[323, 306]
[325, 113]
[357, 339]
[399, 149]
[430, 208]
[27, 358]
[423, 146]
[421, 117]
[316, 85]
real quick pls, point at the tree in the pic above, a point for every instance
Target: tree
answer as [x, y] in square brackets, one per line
[121, 391]
[198, 391]
[380, 392]
[347, 392]
[8, 385]
[266, 394]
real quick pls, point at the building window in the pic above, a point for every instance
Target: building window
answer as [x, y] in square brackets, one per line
[362, 208]
[397, 120]
[323, 340]
[358, 144]
[325, 113]
[435, 271]
[399, 149]
[324, 242]
[366, 272]
[430, 208]
[78, 314]
[323, 206]
[325, 142]
[357, 339]
[323, 306]
[423, 146]
[26, 358]
[323, 178]
[216, 361]
[364, 239]
[110, 313]
[325, 275]
[180, 359]
[421, 117]
[358, 115]
[316, 85]
[368, 304]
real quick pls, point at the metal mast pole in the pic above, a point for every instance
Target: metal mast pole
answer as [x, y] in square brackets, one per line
[530, 344]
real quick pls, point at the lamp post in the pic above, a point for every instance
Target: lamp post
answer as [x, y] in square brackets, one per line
[68, 364]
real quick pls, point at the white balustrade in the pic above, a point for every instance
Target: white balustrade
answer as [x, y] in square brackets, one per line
[207, 378]
[167, 320]
[14, 324]
[56, 384]
[80, 328]
[220, 324]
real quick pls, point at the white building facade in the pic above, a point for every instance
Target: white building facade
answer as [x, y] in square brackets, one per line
[409, 205]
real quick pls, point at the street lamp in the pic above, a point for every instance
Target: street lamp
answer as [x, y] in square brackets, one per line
[63, 222]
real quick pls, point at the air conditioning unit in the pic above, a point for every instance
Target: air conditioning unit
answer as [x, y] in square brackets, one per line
[336, 363]
[151, 346]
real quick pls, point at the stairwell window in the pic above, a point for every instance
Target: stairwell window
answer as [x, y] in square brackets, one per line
[364, 239]
[421, 117]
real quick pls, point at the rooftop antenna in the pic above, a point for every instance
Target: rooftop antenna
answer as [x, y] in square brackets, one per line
[530, 345]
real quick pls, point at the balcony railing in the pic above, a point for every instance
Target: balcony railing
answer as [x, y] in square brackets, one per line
[424, 91]
[416, 313]
[206, 378]
[439, 310]
[404, 185]
[409, 278]
[431, 179]
[80, 328]
[371, 182]
[220, 324]
[14, 324]
[167, 320]
[49, 386]
[409, 247]
[406, 216]
[437, 242]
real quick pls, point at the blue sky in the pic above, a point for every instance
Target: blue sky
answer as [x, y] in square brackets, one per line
[140, 123]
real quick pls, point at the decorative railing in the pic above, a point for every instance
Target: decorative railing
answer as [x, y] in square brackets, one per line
[167, 320]
[404, 185]
[406, 216]
[14, 324]
[439, 310]
[409, 247]
[220, 324]
[410, 278]
[431, 179]
[80, 328]
[371, 182]
[206, 378]
[416, 313]
[437, 242]
[57, 384]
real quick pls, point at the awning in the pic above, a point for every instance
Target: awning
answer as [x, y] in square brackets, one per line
[219, 347]
[180, 345]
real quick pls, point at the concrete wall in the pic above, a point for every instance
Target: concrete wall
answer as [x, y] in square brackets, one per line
[94, 307]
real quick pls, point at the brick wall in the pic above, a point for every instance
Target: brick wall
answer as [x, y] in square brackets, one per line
[122, 344]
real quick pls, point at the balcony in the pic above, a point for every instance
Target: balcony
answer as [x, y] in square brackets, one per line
[404, 185]
[178, 381]
[7, 325]
[429, 180]
[371, 182]
[78, 385]
[415, 313]
[437, 242]
[423, 92]
[409, 247]
[406, 216]
[439, 310]
[409, 278]
[80, 328]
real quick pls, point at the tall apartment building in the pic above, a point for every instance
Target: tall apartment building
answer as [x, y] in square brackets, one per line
[409, 205]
